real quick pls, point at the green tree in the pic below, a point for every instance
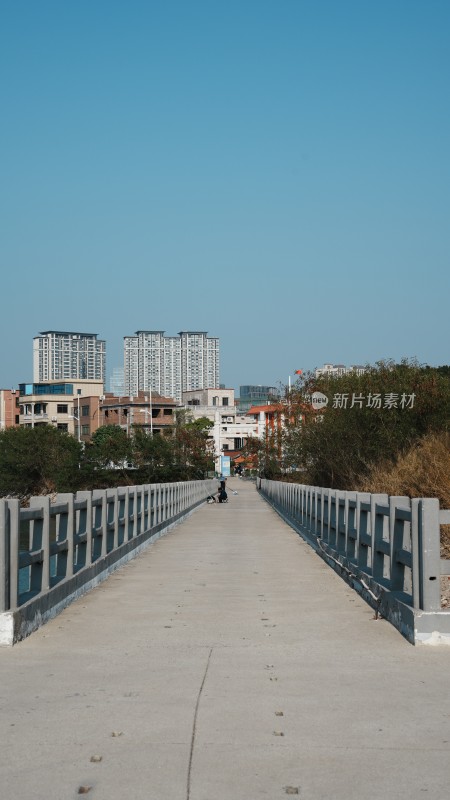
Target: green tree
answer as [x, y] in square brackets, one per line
[109, 447]
[193, 446]
[153, 456]
[38, 460]
[263, 456]
[339, 445]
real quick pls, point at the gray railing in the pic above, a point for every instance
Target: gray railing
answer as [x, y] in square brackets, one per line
[388, 548]
[52, 552]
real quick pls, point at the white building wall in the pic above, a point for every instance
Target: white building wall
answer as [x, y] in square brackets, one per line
[68, 355]
[336, 370]
[172, 367]
[229, 424]
[170, 364]
[131, 365]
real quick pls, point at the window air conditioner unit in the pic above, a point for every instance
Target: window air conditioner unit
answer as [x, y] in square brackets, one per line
[229, 419]
[54, 419]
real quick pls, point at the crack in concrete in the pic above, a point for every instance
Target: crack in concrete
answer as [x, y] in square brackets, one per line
[194, 727]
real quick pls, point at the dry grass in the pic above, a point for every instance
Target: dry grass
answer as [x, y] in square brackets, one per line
[424, 471]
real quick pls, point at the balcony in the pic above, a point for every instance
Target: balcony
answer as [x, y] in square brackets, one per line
[35, 417]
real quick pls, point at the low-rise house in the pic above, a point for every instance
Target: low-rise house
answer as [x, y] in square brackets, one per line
[9, 408]
[63, 404]
[148, 410]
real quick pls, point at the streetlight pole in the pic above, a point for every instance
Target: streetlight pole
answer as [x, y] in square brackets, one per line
[151, 413]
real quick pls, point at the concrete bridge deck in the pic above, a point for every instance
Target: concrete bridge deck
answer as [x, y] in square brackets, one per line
[227, 662]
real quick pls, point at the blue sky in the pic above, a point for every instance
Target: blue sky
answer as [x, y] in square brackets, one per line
[273, 172]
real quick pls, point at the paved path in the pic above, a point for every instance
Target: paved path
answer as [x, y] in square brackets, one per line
[227, 662]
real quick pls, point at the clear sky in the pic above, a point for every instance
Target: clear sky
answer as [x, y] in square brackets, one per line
[275, 172]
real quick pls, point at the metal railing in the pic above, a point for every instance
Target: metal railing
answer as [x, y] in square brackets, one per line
[388, 547]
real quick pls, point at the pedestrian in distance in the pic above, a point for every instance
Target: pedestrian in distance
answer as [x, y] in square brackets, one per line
[223, 497]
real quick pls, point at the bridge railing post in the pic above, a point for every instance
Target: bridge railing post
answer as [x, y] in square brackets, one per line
[397, 526]
[102, 522]
[113, 518]
[131, 512]
[341, 521]
[5, 576]
[429, 555]
[65, 534]
[321, 512]
[326, 515]
[332, 517]
[126, 514]
[416, 591]
[14, 552]
[148, 507]
[85, 521]
[122, 514]
[363, 531]
[379, 510]
[350, 525]
[40, 527]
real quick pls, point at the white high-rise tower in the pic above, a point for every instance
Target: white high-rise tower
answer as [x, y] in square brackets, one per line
[68, 355]
[170, 365]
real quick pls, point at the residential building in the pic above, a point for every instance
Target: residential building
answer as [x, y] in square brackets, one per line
[170, 365]
[117, 382]
[268, 420]
[231, 428]
[9, 408]
[336, 370]
[62, 404]
[79, 408]
[68, 356]
[150, 411]
[256, 396]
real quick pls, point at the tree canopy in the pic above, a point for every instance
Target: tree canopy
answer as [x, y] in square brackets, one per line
[372, 417]
[357, 422]
[44, 459]
[37, 460]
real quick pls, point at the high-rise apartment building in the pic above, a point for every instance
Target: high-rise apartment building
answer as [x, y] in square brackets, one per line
[67, 355]
[170, 365]
[117, 382]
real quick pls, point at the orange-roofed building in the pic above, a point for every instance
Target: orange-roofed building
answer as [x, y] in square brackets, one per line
[268, 419]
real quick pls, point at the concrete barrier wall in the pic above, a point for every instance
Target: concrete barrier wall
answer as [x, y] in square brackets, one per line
[53, 552]
[387, 548]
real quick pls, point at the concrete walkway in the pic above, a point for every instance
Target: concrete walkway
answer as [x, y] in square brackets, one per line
[227, 662]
